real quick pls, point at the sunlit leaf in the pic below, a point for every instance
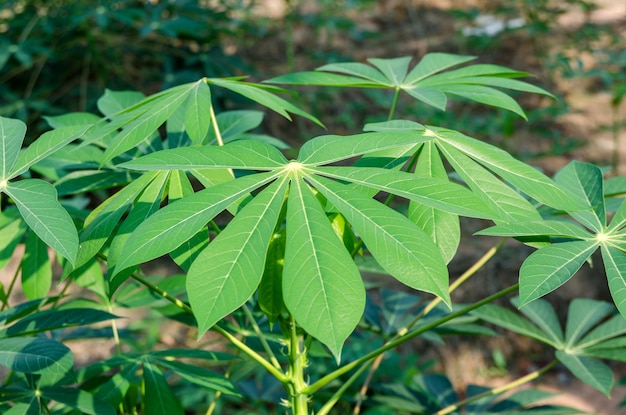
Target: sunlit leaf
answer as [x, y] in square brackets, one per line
[615, 266]
[585, 181]
[198, 112]
[12, 134]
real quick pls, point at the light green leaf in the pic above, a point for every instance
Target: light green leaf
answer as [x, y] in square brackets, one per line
[47, 144]
[322, 287]
[226, 273]
[176, 223]
[321, 78]
[158, 397]
[508, 205]
[614, 327]
[585, 181]
[198, 112]
[145, 205]
[431, 96]
[331, 148]
[434, 192]
[156, 112]
[12, 134]
[393, 126]
[259, 93]
[359, 70]
[478, 70]
[114, 102]
[591, 371]
[543, 315]
[398, 245]
[538, 228]
[615, 266]
[86, 181]
[509, 320]
[36, 270]
[395, 70]
[550, 267]
[496, 82]
[115, 389]
[619, 219]
[36, 355]
[583, 314]
[101, 222]
[38, 204]
[243, 154]
[432, 63]
[485, 95]
[521, 175]
[72, 119]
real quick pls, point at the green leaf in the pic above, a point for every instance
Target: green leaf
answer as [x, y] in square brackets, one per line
[583, 314]
[36, 355]
[78, 399]
[145, 205]
[433, 192]
[432, 63]
[116, 388]
[12, 134]
[56, 319]
[398, 245]
[72, 119]
[47, 144]
[395, 70]
[200, 376]
[393, 126]
[550, 267]
[101, 222]
[114, 102]
[226, 273]
[198, 112]
[233, 124]
[36, 270]
[585, 181]
[270, 295]
[509, 320]
[331, 148]
[259, 94]
[244, 155]
[591, 371]
[538, 228]
[615, 266]
[619, 219]
[359, 70]
[521, 175]
[176, 223]
[322, 287]
[321, 78]
[11, 236]
[485, 95]
[158, 397]
[38, 204]
[156, 112]
[615, 326]
[431, 96]
[508, 205]
[543, 315]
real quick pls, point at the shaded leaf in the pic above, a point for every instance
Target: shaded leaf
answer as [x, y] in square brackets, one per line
[36, 355]
[615, 266]
[158, 397]
[591, 371]
[12, 134]
[36, 270]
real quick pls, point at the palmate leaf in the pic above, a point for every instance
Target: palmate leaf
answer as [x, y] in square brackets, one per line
[38, 204]
[543, 315]
[550, 267]
[322, 287]
[226, 273]
[176, 223]
[398, 245]
[36, 355]
[538, 228]
[591, 371]
[426, 81]
[198, 112]
[583, 314]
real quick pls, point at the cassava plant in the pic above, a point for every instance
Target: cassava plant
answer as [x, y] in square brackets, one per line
[271, 251]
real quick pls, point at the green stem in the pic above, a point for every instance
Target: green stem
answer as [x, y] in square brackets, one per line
[261, 337]
[525, 379]
[394, 343]
[324, 410]
[394, 104]
[232, 339]
[298, 399]
[12, 285]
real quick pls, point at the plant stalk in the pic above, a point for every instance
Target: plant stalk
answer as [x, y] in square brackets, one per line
[394, 343]
[394, 104]
[525, 379]
[298, 399]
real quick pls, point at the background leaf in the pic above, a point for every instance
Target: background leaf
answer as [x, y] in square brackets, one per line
[12, 134]
[36, 270]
